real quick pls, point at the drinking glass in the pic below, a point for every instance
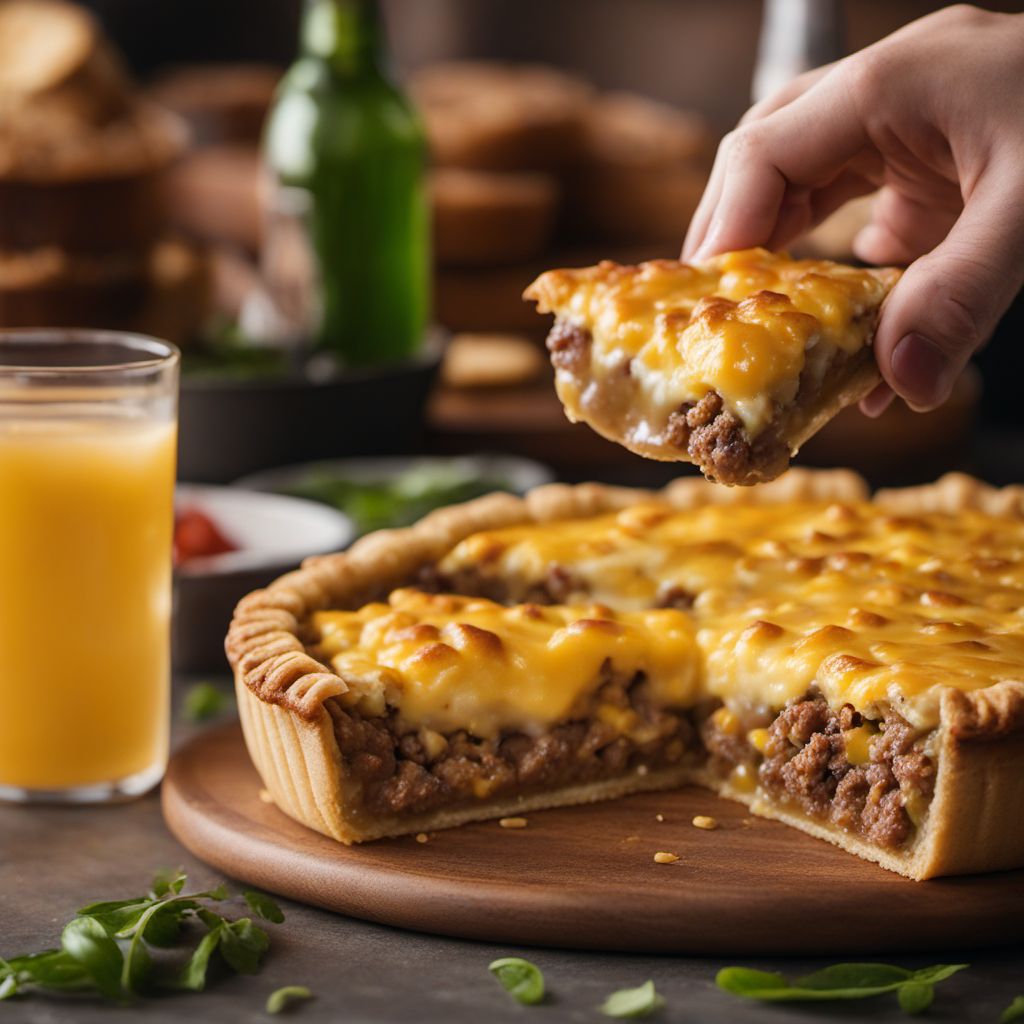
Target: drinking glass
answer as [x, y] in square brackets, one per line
[88, 432]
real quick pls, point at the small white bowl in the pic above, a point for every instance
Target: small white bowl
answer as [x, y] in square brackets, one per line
[273, 533]
[268, 529]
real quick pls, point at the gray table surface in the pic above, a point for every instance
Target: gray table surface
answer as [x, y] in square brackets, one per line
[53, 860]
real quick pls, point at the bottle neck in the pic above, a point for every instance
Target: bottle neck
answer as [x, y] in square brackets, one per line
[348, 35]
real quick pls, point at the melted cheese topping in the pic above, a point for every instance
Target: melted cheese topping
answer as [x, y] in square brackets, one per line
[874, 609]
[741, 324]
[450, 663]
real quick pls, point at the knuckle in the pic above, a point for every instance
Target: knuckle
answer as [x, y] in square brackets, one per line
[962, 14]
[747, 141]
[869, 74]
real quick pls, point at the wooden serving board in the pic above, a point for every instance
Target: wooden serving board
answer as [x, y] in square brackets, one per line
[585, 877]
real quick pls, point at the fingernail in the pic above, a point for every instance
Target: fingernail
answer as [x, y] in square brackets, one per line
[878, 401]
[921, 370]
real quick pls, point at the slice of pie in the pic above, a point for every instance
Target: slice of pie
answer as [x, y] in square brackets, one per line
[852, 667]
[730, 364]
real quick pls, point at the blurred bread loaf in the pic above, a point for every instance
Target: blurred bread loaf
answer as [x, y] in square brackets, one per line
[213, 194]
[527, 157]
[505, 117]
[642, 170]
[163, 292]
[82, 159]
[219, 102]
[487, 361]
[53, 56]
[487, 218]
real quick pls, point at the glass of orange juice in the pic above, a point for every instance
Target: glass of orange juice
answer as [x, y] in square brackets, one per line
[88, 426]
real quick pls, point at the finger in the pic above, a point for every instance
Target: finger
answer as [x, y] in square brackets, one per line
[790, 91]
[708, 201]
[807, 143]
[949, 301]
[903, 228]
[785, 94]
[877, 401]
[803, 209]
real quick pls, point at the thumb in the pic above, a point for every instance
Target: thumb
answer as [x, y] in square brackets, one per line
[949, 301]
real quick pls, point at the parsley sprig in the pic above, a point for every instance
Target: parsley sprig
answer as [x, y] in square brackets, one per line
[107, 948]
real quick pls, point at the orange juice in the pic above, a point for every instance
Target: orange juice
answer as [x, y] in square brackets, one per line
[86, 516]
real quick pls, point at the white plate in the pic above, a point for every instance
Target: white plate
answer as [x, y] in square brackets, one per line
[269, 529]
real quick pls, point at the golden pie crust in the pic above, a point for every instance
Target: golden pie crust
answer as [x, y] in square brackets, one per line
[973, 823]
[731, 364]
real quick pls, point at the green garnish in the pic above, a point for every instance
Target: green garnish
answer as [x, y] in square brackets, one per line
[279, 999]
[915, 989]
[1014, 1012]
[263, 906]
[105, 949]
[203, 702]
[520, 979]
[633, 1002]
[225, 352]
[400, 501]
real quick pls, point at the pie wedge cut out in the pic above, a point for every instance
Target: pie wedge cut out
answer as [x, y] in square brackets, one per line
[851, 666]
[731, 364]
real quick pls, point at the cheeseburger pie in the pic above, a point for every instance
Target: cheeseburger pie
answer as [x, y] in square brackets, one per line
[850, 666]
[730, 364]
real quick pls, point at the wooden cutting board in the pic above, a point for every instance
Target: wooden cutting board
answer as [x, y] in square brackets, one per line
[585, 877]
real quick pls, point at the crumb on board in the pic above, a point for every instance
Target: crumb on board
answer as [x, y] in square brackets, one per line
[659, 817]
[422, 837]
[705, 822]
[513, 822]
[266, 797]
[661, 857]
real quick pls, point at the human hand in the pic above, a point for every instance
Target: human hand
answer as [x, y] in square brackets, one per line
[933, 115]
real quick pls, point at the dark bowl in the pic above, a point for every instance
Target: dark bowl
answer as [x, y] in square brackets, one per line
[230, 427]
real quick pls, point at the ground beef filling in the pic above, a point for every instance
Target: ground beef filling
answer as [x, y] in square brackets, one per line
[718, 442]
[711, 438]
[569, 345]
[416, 773]
[805, 760]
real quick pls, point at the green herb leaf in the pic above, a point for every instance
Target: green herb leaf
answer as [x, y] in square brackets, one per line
[279, 999]
[847, 977]
[242, 944]
[163, 928]
[51, 968]
[633, 1002]
[86, 941]
[840, 981]
[168, 883]
[745, 981]
[1014, 1012]
[193, 974]
[915, 996]
[203, 702]
[938, 972]
[106, 947]
[521, 979]
[263, 906]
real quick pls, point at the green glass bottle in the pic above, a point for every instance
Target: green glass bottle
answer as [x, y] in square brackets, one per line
[346, 248]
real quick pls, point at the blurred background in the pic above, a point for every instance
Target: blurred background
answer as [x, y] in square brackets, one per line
[341, 253]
